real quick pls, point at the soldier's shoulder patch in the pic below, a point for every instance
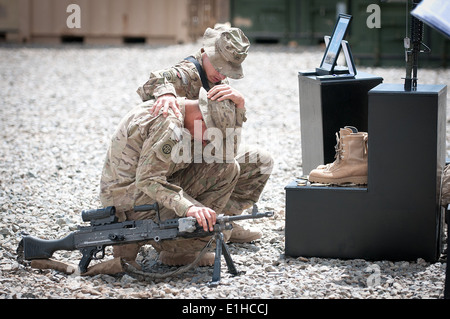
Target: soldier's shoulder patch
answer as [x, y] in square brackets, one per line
[167, 147]
[164, 149]
[170, 75]
[167, 143]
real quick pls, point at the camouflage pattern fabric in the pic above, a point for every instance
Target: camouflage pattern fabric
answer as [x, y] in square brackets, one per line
[140, 168]
[181, 80]
[445, 192]
[138, 163]
[226, 48]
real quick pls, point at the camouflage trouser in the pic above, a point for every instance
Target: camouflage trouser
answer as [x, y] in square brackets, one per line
[227, 188]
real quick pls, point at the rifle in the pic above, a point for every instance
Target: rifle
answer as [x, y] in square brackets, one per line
[105, 230]
[412, 50]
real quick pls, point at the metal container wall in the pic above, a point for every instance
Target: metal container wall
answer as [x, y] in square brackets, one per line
[265, 20]
[384, 46]
[110, 21]
[306, 22]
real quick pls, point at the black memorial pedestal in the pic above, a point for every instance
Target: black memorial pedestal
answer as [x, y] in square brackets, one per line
[398, 215]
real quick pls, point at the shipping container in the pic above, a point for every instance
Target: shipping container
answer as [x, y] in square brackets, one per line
[108, 21]
[306, 22]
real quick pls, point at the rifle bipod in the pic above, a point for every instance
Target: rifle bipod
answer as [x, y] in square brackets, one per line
[221, 249]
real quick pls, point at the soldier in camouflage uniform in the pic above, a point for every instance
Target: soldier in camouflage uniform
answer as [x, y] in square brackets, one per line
[143, 162]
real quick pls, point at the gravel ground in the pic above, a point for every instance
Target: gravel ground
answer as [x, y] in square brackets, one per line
[59, 106]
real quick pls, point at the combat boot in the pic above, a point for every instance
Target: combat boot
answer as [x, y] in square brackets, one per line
[182, 252]
[128, 252]
[350, 165]
[240, 234]
[170, 258]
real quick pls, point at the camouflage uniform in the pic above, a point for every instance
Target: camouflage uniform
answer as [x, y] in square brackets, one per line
[139, 168]
[181, 80]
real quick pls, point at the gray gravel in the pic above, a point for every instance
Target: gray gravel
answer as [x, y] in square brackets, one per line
[59, 106]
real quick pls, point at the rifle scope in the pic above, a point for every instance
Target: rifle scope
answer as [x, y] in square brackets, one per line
[101, 213]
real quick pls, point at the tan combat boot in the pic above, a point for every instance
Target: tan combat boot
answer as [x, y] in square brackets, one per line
[182, 252]
[350, 165]
[128, 252]
[185, 258]
[240, 234]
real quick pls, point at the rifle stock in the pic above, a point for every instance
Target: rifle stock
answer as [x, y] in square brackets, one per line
[36, 248]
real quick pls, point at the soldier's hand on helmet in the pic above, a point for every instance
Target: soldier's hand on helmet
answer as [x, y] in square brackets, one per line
[225, 92]
[204, 215]
[165, 102]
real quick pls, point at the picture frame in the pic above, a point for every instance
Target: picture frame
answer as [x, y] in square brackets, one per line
[334, 47]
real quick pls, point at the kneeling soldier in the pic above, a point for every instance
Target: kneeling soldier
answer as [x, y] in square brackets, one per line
[146, 163]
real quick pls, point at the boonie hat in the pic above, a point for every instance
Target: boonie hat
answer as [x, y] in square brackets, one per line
[221, 115]
[226, 48]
